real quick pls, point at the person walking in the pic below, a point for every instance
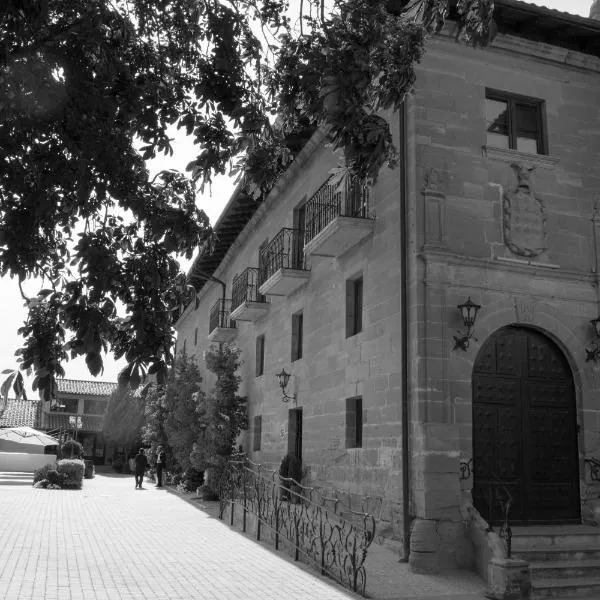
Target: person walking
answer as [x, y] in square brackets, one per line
[141, 462]
[160, 463]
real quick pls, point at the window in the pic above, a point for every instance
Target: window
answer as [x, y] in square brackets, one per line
[197, 302]
[185, 346]
[257, 433]
[68, 405]
[297, 326]
[354, 302]
[354, 422]
[260, 355]
[514, 122]
[94, 407]
[196, 337]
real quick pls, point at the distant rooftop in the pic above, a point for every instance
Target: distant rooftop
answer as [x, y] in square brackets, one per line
[85, 388]
[21, 413]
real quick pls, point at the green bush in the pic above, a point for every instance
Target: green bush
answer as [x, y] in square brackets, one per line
[90, 471]
[54, 477]
[71, 449]
[72, 471]
[42, 472]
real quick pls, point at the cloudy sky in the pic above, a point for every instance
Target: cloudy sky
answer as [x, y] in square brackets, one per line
[13, 312]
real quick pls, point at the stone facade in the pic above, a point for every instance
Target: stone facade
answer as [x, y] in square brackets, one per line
[457, 191]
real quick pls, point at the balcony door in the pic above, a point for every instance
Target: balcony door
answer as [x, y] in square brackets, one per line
[298, 236]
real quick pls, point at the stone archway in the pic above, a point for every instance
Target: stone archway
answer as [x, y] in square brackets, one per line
[524, 429]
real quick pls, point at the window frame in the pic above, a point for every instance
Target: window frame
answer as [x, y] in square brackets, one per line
[260, 355]
[354, 305]
[512, 100]
[354, 422]
[297, 335]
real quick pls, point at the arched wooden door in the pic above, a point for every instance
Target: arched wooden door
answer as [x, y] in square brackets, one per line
[524, 429]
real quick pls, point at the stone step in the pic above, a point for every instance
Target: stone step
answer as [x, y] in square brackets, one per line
[547, 554]
[564, 536]
[576, 587]
[564, 569]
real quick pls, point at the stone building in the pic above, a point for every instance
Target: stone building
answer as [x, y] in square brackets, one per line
[79, 412]
[354, 292]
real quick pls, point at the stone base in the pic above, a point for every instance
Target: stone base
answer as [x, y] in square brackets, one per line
[508, 579]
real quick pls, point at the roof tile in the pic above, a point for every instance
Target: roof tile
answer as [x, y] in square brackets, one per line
[21, 413]
[85, 388]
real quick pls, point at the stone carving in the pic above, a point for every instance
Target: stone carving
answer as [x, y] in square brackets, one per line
[524, 310]
[432, 179]
[524, 216]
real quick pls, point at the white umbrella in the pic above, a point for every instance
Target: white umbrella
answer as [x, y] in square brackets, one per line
[27, 435]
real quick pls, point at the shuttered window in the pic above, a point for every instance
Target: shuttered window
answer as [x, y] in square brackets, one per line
[260, 355]
[354, 422]
[297, 334]
[257, 433]
[196, 337]
[354, 304]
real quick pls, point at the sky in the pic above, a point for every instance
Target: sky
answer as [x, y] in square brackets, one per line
[12, 310]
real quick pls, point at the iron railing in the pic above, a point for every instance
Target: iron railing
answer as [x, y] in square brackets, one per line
[245, 288]
[219, 315]
[336, 545]
[594, 466]
[284, 251]
[350, 198]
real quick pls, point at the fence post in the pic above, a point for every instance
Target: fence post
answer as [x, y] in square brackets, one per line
[245, 502]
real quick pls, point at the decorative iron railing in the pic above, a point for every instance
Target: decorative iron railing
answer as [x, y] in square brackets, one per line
[219, 315]
[284, 251]
[594, 466]
[466, 469]
[350, 198]
[336, 545]
[497, 495]
[245, 288]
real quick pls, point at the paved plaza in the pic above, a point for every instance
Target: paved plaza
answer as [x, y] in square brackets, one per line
[110, 541]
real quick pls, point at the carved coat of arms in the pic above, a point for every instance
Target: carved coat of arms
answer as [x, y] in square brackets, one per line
[524, 216]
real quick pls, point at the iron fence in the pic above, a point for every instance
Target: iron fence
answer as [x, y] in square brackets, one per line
[336, 545]
[284, 251]
[245, 288]
[350, 198]
[219, 315]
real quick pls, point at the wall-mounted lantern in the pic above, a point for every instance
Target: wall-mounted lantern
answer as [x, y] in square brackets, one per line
[284, 379]
[468, 311]
[594, 353]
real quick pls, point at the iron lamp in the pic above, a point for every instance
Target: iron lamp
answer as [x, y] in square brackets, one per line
[594, 352]
[284, 379]
[468, 311]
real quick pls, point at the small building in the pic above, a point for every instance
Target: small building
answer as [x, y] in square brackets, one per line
[80, 414]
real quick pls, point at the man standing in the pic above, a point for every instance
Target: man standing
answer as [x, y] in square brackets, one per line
[160, 463]
[141, 462]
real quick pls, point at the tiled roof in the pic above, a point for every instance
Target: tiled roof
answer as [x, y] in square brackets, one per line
[21, 413]
[85, 388]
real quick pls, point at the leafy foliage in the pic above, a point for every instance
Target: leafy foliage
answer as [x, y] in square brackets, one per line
[88, 92]
[124, 417]
[70, 471]
[183, 401]
[223, 415]
[71, 449]
[42, 472]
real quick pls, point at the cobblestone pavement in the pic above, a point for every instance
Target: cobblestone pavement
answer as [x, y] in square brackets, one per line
[110, 542]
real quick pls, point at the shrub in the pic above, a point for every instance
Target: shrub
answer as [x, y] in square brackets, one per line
[192, 479]
[42, 473]
[42, 483]
[71, 449]
[54, 477]
[90, 471]
[72, 471]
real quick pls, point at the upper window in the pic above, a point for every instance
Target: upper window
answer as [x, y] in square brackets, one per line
[514, 122]
[297, 327]
[196, 336]
[354, 302]
[68, 405]
[260, 355]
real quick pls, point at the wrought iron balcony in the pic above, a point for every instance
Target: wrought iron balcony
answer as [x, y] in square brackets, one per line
[221, 327]
[337, 218]
[282, 265]
[247, 303]
[72, 421]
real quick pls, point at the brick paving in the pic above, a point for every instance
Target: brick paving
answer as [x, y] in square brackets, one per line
[110, 542]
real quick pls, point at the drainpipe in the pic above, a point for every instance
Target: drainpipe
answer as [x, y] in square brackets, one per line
[203, 275]
[404, 232]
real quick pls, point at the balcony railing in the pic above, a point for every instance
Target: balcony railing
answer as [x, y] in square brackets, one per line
[350, 199]
[219, 315]
[285, 251]
[72, 421]
[245, 288]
